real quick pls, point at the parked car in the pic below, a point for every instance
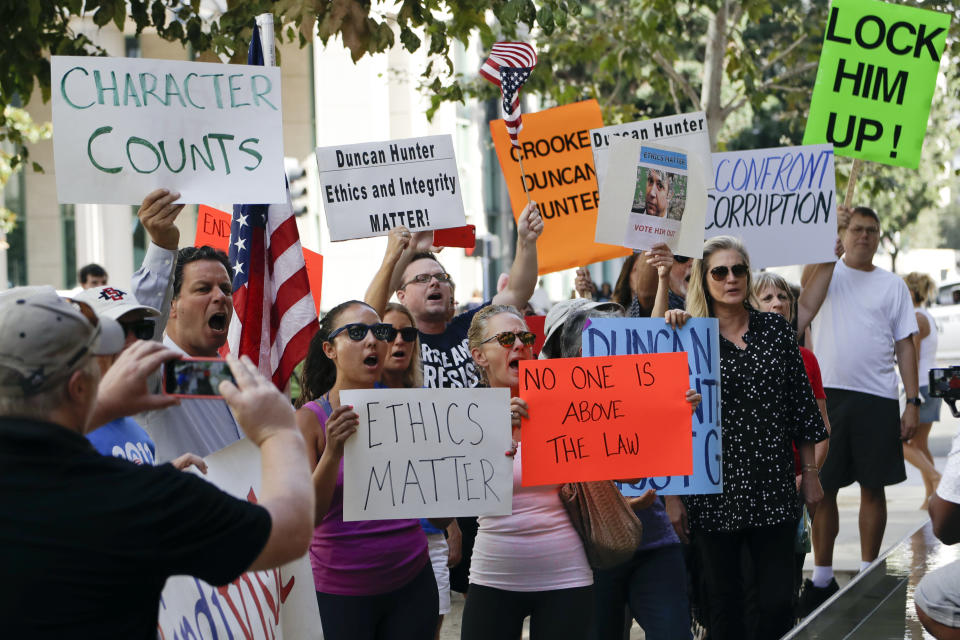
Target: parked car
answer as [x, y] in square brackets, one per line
[946, 312]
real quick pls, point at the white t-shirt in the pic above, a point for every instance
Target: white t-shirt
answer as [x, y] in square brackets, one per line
[949, 487]
[533, 549]
[863, 315]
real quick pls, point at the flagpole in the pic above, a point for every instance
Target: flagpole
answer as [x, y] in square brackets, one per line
[523, 177]
[265, 22]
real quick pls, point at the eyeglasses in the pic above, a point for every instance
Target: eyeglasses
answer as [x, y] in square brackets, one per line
[681, 259]
[507, 338]
[870, 231]
[425, 278]
[357, 331]
[720, 273]
[141, 329]
[407, 334]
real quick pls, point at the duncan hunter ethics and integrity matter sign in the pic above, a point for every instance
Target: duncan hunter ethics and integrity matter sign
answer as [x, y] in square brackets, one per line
[878, 70]
[764, 196]
[605, 418]
[125, 126]
[699, 338]
[423, 453]
[368, 189]
[558, 165]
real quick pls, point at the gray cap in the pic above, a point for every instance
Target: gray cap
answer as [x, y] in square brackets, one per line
[111, 302]
[559, 313]
[44, 338]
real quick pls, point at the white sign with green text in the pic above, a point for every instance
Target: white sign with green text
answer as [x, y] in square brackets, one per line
[126, 126]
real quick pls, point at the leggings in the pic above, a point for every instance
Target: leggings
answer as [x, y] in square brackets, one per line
[409, 613]
[497, 614]
[751, 607]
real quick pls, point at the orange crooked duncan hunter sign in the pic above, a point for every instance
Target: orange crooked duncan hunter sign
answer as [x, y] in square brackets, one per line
[558, 163]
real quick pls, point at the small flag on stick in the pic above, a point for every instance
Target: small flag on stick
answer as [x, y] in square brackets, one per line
[508, 67]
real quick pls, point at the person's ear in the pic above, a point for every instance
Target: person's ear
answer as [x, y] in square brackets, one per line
[401, 294]
[330, 351]
[480, 357]
[173, 307]
[79, 387]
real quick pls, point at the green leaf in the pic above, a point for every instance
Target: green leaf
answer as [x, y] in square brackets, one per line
[120, 14]
[410, 40]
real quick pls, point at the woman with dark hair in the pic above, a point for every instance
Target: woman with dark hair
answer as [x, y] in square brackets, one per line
[373, 578]
[767, 405]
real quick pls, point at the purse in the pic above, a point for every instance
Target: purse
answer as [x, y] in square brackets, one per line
[608, 527]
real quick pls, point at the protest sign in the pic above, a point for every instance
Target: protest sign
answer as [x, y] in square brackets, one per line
[211, 131]
[465, 237]
[780, 202]
[369, 188]
[213, 228]
[279, 603]
[651, 195]
[699, 338]
[314, 263]
[685, 131]
[421, 453]
[536, 324]
[878, 70]
[605, 418]
[558, 163]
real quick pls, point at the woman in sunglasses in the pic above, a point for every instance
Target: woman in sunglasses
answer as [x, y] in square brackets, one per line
[766, 404]
[373, 578]
[530, 563]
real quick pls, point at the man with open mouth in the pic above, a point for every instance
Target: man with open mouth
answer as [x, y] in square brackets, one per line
[193, 290]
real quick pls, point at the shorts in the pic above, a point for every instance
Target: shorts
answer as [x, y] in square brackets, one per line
[938, 594]
[929, 411]
[439, 555]
[865, 445]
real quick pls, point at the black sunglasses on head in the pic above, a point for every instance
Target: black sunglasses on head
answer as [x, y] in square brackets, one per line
[357, 331]
[141, 329]
[507, 338]
[681, 259]
[738, 270]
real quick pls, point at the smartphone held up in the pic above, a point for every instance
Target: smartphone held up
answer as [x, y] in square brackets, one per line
[195, 377]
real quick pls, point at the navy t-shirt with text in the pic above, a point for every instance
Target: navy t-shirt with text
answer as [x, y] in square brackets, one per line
[446, 356]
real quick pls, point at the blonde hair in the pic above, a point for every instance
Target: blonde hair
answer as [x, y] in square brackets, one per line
[699, 304]
[765, 279]
[413, 376]
[922, 287]
[478, 329]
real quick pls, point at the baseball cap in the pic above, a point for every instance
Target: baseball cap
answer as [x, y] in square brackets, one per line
[44, 338]
[111, 302]
[559, 313]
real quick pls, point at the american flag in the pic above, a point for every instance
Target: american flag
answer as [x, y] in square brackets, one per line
[274, 317]
[508, 67]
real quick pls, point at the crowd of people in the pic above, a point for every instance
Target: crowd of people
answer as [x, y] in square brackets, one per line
[92, 517]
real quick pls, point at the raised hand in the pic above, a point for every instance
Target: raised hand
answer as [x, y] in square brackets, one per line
[157, 214]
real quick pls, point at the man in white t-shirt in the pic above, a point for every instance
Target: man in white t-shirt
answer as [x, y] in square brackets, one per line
[937, 595]
[864, 327]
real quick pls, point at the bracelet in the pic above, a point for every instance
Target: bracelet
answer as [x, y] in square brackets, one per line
[810, 467]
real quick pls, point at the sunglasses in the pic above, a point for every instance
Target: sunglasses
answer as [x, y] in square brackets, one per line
[507, 338]
[407, 334]
[425, 278]
[720, 273]
[141, 329]
[357, 331]
[681, 259]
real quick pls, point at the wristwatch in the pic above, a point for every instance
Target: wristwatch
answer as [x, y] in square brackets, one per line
[915, 401]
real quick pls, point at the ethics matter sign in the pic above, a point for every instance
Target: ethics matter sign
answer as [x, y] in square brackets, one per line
[125, 126]
[875, 82]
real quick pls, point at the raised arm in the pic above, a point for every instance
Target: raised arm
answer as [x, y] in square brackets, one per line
[285, 489]
[815, 279]
[646, 282]
[379, 292]
[152, 283]
[418, 243]
[660, 260]
[523, 273]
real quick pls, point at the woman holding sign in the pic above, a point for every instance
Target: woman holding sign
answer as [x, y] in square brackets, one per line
[373, 578]
[532, 562]
[766, 404]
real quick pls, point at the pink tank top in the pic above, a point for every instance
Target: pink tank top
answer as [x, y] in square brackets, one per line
[367, 557]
